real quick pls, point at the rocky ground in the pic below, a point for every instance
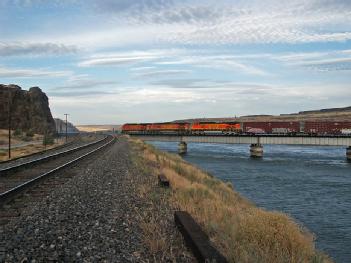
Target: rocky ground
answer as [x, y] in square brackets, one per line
[103, 214]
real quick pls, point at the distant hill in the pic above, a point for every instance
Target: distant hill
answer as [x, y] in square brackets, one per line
[29, 109]
[333, 114]
[94, 128]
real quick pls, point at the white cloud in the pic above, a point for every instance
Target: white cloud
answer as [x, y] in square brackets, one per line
[339, 60]
[223, 62]
[125, 58]
[31, 73]
[207, 22]
[20, 48]
[161, 73]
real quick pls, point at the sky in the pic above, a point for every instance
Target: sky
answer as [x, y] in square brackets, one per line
[118, 61]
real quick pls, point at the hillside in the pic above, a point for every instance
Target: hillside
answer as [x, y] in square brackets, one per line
[334, 114]
[29, 109]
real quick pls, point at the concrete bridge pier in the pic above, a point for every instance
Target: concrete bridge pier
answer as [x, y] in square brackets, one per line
[256, 150]
[182, 148]
[348, 153]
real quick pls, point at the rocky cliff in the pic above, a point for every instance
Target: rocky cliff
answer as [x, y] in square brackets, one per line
[29, 109]
[61, 126]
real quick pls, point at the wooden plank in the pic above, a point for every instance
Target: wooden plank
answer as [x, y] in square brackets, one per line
[196, 239]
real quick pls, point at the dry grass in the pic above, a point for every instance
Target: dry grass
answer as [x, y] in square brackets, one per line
[155, 216]
[240, 230]
[25, 150]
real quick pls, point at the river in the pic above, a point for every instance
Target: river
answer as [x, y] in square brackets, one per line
[312, 184]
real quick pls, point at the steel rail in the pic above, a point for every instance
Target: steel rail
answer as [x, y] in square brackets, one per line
[38, 153]
[46, 158]
[5, 196]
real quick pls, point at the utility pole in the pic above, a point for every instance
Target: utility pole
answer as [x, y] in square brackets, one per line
[66, 125]
[9, 120]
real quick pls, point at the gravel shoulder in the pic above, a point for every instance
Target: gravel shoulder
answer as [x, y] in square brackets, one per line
[104, 213]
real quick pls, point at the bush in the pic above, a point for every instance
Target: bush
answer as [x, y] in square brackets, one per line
[48, 140]
[30, 133]
[26, 138]
[17, 133]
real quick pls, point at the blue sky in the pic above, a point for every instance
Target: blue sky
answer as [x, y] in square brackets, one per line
[117, 61]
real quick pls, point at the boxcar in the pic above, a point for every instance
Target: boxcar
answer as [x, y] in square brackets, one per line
[327, 128]
[277, 127]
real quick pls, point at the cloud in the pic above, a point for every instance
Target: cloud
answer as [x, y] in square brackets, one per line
[31, 73]
[78, 93]
[30, 3]
[211, 22]
[19, 49]
[161, 73]
[118, 6]
[339, 60]
[213, 85]
[125, 58]
[222, 62]
[85, 84]
[172, 57]
[223, 22]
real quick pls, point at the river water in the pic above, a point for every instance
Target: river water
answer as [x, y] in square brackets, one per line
[312, 184]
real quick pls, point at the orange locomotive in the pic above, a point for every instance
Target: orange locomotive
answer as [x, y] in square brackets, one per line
[215, 128]
[134, 128]
[167, 128]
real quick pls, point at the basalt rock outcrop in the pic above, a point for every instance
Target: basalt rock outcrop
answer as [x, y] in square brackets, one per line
[61, 126]
[29, 109]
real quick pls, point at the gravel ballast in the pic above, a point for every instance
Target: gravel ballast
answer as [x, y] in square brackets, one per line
[94, 217]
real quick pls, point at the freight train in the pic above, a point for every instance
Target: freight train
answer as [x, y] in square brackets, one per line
[240, 128]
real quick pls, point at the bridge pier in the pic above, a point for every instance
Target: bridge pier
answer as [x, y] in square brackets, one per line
[348, 153]
[182, 148]
[256, 150]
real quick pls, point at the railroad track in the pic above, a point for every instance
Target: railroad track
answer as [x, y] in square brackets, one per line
[37, 177]
[77, 141]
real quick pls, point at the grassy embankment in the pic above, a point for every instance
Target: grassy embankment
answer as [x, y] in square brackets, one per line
[35, 144]
[239, 229]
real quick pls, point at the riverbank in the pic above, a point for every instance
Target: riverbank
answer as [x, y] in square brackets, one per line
[240, 230]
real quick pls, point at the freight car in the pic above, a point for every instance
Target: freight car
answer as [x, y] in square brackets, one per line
[289, 128]
[327, 128]
[307, 128]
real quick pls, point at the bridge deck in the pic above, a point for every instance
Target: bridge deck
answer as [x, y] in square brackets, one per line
[288, 140]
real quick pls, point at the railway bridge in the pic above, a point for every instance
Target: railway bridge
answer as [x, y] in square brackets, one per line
[256, 142]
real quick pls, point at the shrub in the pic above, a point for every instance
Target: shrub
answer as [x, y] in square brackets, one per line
[48, 140]
[30, 133]
[17, 133]
[26, 138]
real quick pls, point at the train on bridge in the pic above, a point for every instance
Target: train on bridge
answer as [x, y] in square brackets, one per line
[311, 128]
